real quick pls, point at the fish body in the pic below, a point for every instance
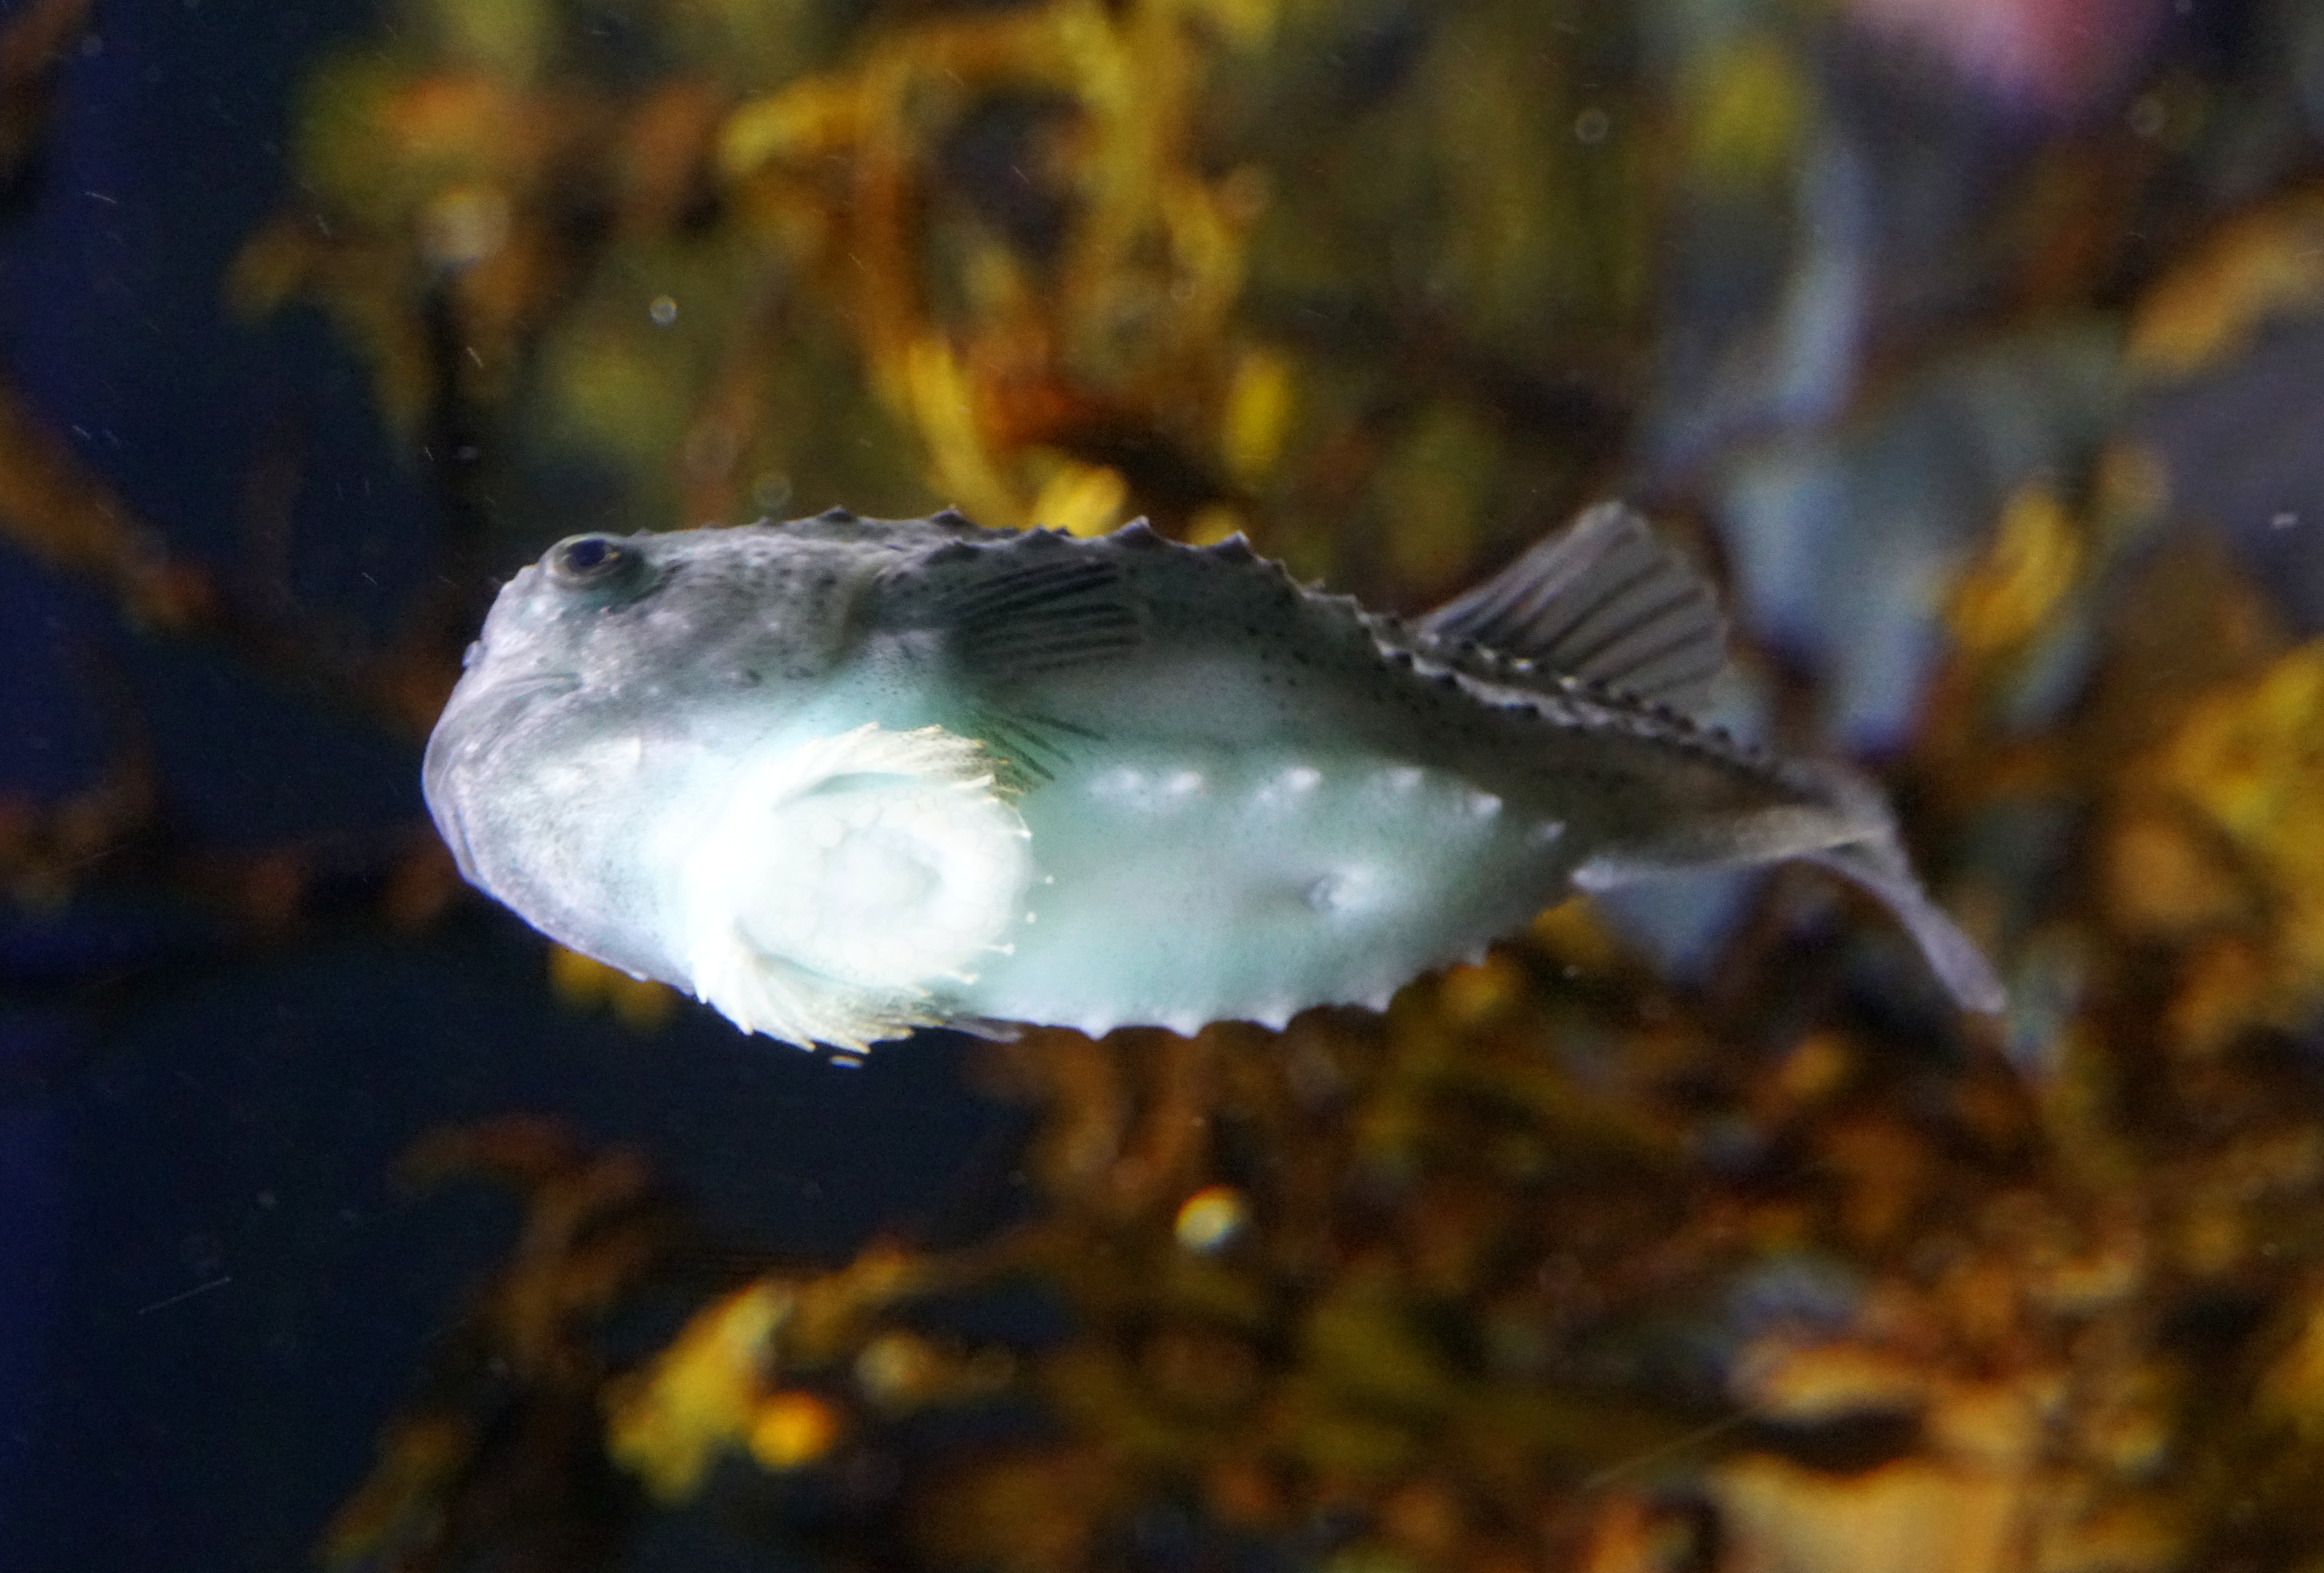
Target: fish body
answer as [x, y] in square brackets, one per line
[843, 778]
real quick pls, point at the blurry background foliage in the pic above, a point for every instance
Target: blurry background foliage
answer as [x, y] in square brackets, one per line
[1978, 349]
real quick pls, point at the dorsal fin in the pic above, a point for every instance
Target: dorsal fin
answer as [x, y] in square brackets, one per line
[1608, 601]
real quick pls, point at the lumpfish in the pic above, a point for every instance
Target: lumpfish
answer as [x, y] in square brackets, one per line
[843, 778]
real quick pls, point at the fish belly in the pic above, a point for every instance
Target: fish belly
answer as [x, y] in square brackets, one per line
[1184, 883]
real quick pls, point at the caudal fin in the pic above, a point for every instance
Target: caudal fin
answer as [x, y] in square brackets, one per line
[1879, 866]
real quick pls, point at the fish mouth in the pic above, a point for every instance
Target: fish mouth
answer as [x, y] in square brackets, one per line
[455, 832]
[468, 735]
[442, 794]
[518, 688]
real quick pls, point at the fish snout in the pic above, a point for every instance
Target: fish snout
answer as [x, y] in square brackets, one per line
[477, 722]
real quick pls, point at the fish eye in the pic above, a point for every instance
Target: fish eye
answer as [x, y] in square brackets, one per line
[592, 562]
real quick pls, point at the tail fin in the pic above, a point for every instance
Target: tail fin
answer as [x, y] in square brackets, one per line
[1878, 865]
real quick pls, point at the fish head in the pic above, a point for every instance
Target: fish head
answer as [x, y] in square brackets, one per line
[701, 610]
[613, 680]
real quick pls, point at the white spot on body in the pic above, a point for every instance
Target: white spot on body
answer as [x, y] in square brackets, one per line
[1292, 782]
[1352, 891]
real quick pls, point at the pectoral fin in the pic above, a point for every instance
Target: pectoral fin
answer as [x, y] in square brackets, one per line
[1027, 748]
[1020, 607]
